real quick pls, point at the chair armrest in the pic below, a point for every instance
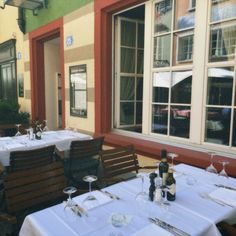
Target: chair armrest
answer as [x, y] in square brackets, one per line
[226, 228]
[4, 217]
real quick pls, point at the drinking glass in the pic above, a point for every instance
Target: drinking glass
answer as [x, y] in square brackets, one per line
[90, 201]
[69, 190]
[142, 195]
[18, 130]
[45, 128]
[172, 156]
[118, 220]
[223, 171]
[211, 167]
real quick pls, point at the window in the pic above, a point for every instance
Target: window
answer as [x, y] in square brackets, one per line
[160, 90]
[129, 72]
[78, 91]
[220, 108]
[8, 85]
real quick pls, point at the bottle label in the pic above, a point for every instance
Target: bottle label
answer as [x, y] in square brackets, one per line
[172, 189]
[164, 177]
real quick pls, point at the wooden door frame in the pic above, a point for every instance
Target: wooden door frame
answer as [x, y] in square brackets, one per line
[37, 38]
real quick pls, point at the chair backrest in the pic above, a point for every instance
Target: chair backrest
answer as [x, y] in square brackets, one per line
[28, 188]
[118, 161]
[86, 148]
[23, 160]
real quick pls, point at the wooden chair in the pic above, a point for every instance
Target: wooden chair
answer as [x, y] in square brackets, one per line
[226, 229]
[120, 164]
[23, 160]
[31, 190]
[83, 158]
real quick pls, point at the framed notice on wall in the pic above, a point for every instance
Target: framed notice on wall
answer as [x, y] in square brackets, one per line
[20, 85]
[78, 90]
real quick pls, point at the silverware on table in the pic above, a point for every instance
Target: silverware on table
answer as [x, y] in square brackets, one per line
[111, 195]
[224, 186]
[170, 228]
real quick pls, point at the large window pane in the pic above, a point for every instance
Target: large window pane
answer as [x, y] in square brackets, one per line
[180, 121]
[159, 119]
[127, 63]
[128, 33]
[163, 16]
[184, 14]
[217, 127]
[223, 9]
[127, 113]
[127, 88]
[222, 42]
[162, 51]
[161, 84]
[220, 83]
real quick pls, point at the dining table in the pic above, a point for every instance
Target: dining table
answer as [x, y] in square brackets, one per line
[203, 199]
[60, 138]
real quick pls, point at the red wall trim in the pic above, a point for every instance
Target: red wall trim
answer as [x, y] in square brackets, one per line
[36, 40]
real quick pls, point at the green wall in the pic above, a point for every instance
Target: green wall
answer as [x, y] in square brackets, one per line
[54, 10]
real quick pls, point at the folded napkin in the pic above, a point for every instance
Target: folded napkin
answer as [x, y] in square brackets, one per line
[101, 199]
[224, 195]
[152, 230]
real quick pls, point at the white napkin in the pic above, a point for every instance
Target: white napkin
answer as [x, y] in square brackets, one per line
[224, 195]
[152, 230]
[101, 197]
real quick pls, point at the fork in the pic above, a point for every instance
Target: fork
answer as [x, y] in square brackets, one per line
[206, 196]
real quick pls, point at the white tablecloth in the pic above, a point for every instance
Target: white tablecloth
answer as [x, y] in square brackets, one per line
[61, 139]
[189, 212]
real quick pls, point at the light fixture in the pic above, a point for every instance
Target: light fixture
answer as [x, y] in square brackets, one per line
[33, 5]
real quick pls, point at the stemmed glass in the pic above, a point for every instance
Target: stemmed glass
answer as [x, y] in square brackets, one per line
[172, 156]
[45, 128]
[142, 196]
[90, 201]
[69, 190]
[223, 171]
[118, 220]
[211, 167]
[18, 130]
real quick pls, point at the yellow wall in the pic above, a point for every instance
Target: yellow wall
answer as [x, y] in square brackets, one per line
[80, 25]
[9, 29]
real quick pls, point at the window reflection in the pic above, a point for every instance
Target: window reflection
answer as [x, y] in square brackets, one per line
[219, 89]
[184, 14]
[223, 9]
[159, 119]
[181, 87]
[163, 16]
[180, 121]
[217, 125]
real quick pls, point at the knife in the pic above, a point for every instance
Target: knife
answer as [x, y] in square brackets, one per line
[170, 228]
[224, 186]
[112, 196]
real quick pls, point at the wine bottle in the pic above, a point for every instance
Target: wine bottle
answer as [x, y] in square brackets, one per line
[171, 186]
[163, 167]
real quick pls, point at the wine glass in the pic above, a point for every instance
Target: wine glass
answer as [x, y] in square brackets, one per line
[90, 201]
[142, 196]
[211, 167]
[69, 190]
[223, 171]
[18, 130]
[45, 128]
[172, 156]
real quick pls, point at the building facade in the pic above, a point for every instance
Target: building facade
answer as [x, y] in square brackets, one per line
[156, 73]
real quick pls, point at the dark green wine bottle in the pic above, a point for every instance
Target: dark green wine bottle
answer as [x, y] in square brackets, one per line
[163, 167]
[171, 186]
